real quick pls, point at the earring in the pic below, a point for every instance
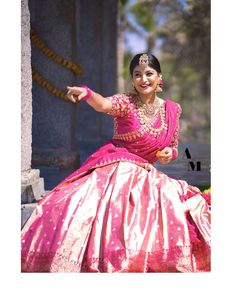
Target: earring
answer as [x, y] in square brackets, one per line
[159, 86]
[161, 81]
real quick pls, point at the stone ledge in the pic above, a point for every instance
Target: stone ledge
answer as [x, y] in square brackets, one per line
[32, 186]
[26, 211]
[29, 176]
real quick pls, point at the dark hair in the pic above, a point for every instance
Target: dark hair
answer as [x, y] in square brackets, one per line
[152, 62]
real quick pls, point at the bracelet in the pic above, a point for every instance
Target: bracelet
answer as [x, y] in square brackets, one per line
[89, 92]
[174, 153]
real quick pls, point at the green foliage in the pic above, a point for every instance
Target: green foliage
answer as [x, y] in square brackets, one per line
[144, 16]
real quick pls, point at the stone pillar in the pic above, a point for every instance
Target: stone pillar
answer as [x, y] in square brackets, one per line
[96, 49]
[32, 186]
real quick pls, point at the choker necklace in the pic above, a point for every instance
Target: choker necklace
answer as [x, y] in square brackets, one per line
[147, 112]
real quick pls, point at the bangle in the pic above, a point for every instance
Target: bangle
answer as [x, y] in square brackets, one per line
[89, 92]
[174, 153]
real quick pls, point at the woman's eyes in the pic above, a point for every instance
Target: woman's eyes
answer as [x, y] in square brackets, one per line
[149, 74]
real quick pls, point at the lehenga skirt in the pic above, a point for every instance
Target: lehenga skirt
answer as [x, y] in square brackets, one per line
[119, 218]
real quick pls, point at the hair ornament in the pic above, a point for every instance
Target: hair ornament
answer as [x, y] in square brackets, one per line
[143, 60]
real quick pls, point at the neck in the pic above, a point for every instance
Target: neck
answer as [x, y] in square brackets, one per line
[147, 98]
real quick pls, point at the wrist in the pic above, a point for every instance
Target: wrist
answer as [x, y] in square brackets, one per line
[89, 92]
[174, 153]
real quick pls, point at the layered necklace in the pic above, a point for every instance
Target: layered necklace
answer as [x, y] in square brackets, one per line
[147, 114]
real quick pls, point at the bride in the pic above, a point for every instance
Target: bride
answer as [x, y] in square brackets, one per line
[117, 212]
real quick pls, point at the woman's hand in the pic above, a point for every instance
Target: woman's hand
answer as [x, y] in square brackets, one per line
[95, 100]
[165, 155]
[76, 94]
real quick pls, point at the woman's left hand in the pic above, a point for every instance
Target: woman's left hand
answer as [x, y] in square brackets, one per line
[165, 155]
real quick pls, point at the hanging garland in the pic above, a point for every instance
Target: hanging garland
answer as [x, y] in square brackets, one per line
[42, 46]
[44, 83]
[68, 64]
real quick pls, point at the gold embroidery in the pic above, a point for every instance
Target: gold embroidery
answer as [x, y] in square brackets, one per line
[145, 123]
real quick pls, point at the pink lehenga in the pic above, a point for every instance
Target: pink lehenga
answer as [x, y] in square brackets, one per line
[117, 212]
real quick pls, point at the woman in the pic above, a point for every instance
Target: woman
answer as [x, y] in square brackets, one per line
[117, 213]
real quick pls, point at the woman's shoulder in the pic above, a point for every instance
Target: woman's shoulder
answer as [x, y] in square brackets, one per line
[173, 104]
[125, 98]
[121, 104]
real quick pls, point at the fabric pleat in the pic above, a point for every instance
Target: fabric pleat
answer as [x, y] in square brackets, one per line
[118, 218]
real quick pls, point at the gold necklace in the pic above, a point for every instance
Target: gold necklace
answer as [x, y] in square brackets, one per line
[147, 112]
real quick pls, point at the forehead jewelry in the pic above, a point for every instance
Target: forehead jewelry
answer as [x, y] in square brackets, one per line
[143, 60]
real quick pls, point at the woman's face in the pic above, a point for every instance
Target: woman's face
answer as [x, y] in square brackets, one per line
[145, 80]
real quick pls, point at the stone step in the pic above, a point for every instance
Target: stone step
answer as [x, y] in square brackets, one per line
[26, 211]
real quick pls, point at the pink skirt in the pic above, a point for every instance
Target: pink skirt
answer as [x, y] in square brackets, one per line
[119, 218]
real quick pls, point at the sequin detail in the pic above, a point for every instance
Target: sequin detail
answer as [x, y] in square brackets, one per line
[123, 105]
[120, 105]
[174, 142]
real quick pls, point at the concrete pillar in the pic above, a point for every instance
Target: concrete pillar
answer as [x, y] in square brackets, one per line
[65, 134]
[32, 186]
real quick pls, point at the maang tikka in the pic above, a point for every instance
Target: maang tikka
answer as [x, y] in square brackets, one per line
[143, 60]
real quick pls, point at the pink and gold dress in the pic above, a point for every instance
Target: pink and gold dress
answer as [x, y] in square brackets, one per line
[117, 212]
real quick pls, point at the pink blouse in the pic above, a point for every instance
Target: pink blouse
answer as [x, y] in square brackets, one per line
[138, 138]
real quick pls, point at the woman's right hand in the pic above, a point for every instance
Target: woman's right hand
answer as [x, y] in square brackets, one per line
[76, 94]
[95, 100]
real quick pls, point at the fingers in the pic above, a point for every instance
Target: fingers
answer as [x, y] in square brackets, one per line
[73, 90]
[164, 156]
[80, 97]
[167, 151]
[75, 94]
[71, 97]
[164, 160]
[72, 93]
